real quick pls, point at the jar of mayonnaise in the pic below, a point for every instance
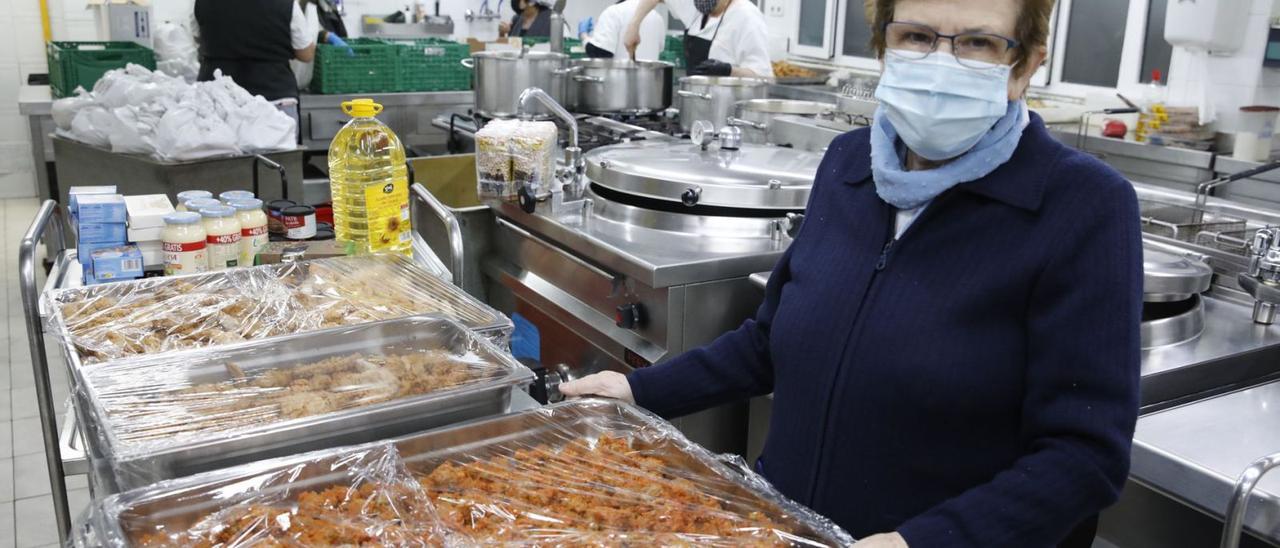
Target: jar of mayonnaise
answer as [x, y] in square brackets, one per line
[253, 228]
[187, 195]
[233, 195]
[222, 233]
[197, 204]
[184, 244]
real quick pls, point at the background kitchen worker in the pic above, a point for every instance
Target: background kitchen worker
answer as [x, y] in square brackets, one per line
[252, 41]
[606, 38]
[952, 340]
[532, 18]
[722, 37]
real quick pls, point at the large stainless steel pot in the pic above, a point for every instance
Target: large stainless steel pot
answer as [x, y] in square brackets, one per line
[620, 86]
[502, 75]
[754, 115]
[712, 98]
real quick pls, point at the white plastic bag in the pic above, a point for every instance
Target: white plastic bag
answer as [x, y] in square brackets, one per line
[261, 127]
[176, 51]
[65, 109]
[92, 125]
[185, 135]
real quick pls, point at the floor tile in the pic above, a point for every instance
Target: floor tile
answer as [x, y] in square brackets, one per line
[6, 439]
[77, 502]
[6, 401]
[28, 437]
[38, 524]
[6, 525]
[30, 476]
[23, 402]
[6, 480]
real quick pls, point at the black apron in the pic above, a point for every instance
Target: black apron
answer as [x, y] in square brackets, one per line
[697, 50]
[249, 41]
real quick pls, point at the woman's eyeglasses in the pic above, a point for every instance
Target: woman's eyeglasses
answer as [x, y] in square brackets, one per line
[972, 49]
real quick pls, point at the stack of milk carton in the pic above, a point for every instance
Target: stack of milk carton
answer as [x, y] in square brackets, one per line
[101, 245]
[146, 225]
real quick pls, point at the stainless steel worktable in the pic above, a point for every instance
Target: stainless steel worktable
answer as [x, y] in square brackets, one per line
[36, 103]
[408, 114]
[1195, 452]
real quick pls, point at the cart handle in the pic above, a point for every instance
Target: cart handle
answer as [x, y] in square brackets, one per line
[50, 215]
[1239, 503]
[271, 164]
[451, 225]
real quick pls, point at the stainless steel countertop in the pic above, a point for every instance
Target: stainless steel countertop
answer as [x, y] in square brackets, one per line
[1196, 452]
[35, 100]
[1227, 164]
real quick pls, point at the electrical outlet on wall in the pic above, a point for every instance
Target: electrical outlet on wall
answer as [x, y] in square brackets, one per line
[775, 9]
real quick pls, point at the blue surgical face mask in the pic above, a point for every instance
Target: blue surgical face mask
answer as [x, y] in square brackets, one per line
[939, 107]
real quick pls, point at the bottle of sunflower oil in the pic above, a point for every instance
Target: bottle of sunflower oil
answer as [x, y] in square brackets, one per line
[369, 184]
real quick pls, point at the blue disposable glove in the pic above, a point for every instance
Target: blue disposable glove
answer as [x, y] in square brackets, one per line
[335, 40]
[585, 26]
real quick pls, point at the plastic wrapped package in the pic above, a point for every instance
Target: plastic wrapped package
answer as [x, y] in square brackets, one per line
[515, 153]
[156, 418]
[355, 496]
[154, 315]
[603, 473]
[580, 473]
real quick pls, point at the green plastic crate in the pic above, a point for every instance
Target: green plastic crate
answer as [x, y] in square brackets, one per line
[73, 64]
[573, 47]
[369, 66]
[431, 64]
[673, 51]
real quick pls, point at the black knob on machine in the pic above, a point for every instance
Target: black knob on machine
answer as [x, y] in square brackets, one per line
[691, 196]
[526, 198]
[629, 316]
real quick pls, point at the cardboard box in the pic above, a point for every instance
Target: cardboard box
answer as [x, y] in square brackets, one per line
[120, 262]
[84, 250]
[102, 233]
[75, 192]
[101, 208]
[147, 210]
[286, 252]
[138, 235]
[152, 253]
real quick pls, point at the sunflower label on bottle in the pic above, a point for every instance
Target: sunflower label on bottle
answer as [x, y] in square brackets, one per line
[388, 209]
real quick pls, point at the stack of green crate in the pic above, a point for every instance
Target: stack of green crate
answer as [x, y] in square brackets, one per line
[574, 48]
[673, 51]
[431, 64]
[367, 66]
[73, 64]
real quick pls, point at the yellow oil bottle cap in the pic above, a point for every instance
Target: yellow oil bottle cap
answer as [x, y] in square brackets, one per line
[361, 108]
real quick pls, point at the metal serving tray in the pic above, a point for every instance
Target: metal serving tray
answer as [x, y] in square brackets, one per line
[590, 419]
[407, 278]
[131, 463]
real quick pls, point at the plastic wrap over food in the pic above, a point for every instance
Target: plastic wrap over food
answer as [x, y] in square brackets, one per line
[355, 496]
[154, 315]
[580, 473]
[511, 154]
[603, 473]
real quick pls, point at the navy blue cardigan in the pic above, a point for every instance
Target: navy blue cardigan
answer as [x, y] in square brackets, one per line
[973, 383]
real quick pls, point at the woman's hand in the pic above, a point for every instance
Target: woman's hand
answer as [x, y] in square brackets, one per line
[609, 384]
[504, 28]
[883, 540]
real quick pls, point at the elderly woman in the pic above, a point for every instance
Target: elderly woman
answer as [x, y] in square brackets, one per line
[952, 339]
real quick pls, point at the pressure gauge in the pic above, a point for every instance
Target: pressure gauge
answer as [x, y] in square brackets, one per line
[702, 132]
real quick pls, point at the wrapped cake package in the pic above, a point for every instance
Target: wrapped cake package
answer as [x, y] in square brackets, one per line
[515, 153]
[154, 315]
[579, 473]
[156, 418]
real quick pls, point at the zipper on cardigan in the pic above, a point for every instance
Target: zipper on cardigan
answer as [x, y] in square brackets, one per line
[884, 254]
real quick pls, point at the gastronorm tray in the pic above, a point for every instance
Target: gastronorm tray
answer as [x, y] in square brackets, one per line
[174, 506]
[554, 429]
[180, 413]
[121, 320]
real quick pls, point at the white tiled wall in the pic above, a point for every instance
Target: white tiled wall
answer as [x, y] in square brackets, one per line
[22, 53]
[1234, 80]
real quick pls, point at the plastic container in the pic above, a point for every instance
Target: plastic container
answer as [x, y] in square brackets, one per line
[369, 184]
[431, 64]
[253, 228]
[233, 195]
[1153, 115]
[187, 195]
[200, 203]
[299, 222]
[222, 233]
[1257, 130]
[184, 244]
[274, 208]
[366, 66]
[81, 64]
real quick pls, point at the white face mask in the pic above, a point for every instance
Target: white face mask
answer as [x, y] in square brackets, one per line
[939, 107]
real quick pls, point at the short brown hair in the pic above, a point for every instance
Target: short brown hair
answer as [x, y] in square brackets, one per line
[1032, 28]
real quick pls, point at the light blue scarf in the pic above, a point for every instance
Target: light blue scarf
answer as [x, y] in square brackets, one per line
[911, 189]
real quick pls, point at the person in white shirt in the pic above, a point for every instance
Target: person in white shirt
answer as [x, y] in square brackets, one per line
[722, 37]
[606, 39]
